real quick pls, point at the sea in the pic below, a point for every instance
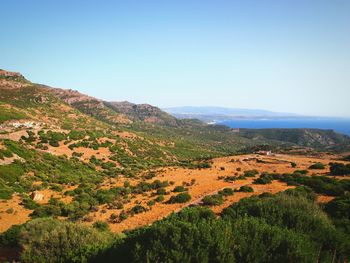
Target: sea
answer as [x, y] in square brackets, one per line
[338, 125]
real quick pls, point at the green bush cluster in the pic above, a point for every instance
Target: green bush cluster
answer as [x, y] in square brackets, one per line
[340, 169]
[287, 227]
[319, 184]
[264, 178]
[318, 166]
[49, 240]
[179, 189]
[212, 200]
[245, 189]
[180, 198]
[251, 173]
[226, 191]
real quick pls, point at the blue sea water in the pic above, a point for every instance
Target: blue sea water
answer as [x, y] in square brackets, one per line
[338, 125]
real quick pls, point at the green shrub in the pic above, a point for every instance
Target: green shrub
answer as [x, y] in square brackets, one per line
[180, 198]
[5, 192]
[56, 187]
[159, 198]
[123, 216]
[264, 179]
[137, 209]
[339, 207]
[251, 173]
[10, 237]
[46, 211]
[319, 184]
[339, 169]
[54, 143]
[301, 172]
[230, 178]
[317, 166]
[179, 189]
[29, 203]
[212, 200]
[246, 189]
[204, 165]
[295, 213]
[226, 191]
[161, 191]
[49, 240]
[151, 203]
[101, 225]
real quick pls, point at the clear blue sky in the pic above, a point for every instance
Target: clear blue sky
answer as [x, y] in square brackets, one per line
[290, 56]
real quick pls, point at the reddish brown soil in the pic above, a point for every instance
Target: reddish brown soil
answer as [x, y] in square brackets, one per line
[207, 182]
[18, 215]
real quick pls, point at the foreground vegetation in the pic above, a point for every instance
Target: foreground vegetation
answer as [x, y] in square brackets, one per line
[286, 227]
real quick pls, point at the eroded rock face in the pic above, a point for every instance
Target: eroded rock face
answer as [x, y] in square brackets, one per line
[5, 73]
[72, 96]
[12, 80]
[143, 112]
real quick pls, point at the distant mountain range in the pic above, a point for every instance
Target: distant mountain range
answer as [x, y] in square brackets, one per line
[209, 114]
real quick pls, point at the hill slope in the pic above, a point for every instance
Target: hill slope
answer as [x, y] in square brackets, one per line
[315, 138]
[143, 112]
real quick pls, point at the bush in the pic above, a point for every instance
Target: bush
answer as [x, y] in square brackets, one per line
[226, 191]
[339, 207]
[293, 164]
[180, 198]
[29, 203]
[101, 225]
[212, 200]
[5, 193]
[251, 173]
[264, 179]
[54, 143]
[246, 189]
[49, 240]
[339, 169]
[137, 209]
[293, 212]
[159, 198]
[319, 184]
[179, 188]
[161, 191]
[123, 216]
[230, 178]
[204, 165]
[10, 237]
[46, 211]
[317, 166]
[301, 172]
[151, 203]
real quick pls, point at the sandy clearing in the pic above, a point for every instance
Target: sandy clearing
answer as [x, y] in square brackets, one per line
[18, 216]
[324, 198]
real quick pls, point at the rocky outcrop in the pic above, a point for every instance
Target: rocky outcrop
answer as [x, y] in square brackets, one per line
[143, 112]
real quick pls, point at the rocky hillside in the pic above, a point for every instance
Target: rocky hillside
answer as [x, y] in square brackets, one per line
[91, 106]
[314, 138]
[69, 109]
[143, 112]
